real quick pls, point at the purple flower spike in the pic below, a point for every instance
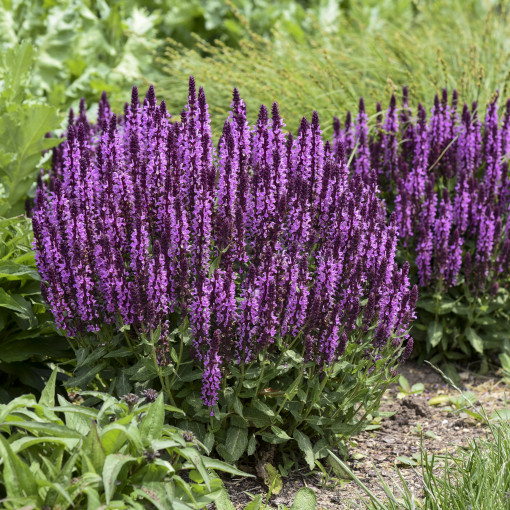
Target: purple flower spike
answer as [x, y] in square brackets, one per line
[261, 240]
[445, 176]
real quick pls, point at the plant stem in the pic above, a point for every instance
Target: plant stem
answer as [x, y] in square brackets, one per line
[162, 379]
[179, 359]
[261, 372]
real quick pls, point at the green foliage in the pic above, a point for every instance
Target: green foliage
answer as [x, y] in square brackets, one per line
[23, 124]
[85, 47]
[406, 389]
[231, 21]
[282, 403]
[27, 334]
[117, 454]
[81, 48]
[456, 324]
[377, 48]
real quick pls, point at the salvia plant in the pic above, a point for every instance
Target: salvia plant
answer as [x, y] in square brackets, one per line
[259, 266]
[116, 454]
[445, 176]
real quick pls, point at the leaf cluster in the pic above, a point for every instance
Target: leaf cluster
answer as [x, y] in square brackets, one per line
[231, 21]
[113, 455]
[305, 499]
[279, 403]
[27, 333]
[23, 125]
[458, 325]
[81, 48]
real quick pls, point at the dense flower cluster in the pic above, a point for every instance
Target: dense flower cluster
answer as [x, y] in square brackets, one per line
[447, 177]
[261, 240]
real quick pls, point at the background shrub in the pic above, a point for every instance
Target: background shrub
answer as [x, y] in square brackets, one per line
[81, 48]
[445, 176]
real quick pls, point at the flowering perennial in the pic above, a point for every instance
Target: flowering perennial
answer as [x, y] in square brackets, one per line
[447, 178]
[258, 241]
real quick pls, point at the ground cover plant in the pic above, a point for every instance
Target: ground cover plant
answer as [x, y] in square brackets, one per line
[218, 270]
[118, 454]
[445, 176]
[376, 48]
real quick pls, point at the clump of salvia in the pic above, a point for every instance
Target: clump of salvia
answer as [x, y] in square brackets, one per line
[265, 237]
[446, 175]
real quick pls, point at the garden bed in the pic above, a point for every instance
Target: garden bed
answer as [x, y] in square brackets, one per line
[397, 438]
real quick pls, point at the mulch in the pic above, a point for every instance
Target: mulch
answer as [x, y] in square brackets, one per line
[443, 428]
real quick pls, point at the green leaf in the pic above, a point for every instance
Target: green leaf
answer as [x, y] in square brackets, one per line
[439, 399]
[263, 408]
[305, 446]
[48, 393]
[113, 437]
[280, 433]
[474, 339]
[305, 500]
[238, 406]
[270, 438]
[18, 61]
[235, 444]
[258, 419]
[12, 271]
[223, 502]
[17, 477]
[338, 467]
[19, 348]
[500, 415]
[153, 422]
[57, 487]
[17, 403]
[50, 429]
[406, 461]
[94, 449]
[434, 333]
[294, 387]
[504, 358]
[17, 304]
[255, 504]
[196, 459]
[154, 496]
[223, 466]
[93, 499]
[111, 469]
[417, 388]
[252, 446]
[404, 383]
[273, 479]
[26, 442]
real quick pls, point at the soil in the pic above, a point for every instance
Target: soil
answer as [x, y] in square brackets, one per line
[443, 428]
